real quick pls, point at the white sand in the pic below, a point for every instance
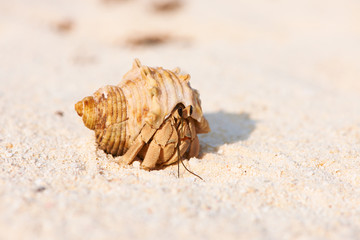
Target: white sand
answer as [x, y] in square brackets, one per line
[280, 86]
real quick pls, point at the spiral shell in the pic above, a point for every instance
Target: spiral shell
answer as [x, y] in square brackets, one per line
[146, 95]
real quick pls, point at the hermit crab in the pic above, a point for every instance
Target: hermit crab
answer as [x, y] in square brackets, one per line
[152, 114]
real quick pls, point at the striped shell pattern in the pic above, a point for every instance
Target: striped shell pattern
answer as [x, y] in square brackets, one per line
[146, 95]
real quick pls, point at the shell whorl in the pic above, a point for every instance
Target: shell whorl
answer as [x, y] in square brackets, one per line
[106, 113]
[86, 109]
[152, 94]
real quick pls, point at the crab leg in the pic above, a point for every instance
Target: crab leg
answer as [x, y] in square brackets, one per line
[160, 140]
[151, 157]
[183, 147]
[194, 146]
[145, 135]
[131, 153]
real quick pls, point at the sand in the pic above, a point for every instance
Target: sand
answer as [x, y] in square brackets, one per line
[280, 86]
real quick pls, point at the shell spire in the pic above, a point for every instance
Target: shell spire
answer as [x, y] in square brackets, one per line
[86, 109]
[105, 113]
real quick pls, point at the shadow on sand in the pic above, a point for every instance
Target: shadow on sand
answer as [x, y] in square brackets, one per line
[226, 128]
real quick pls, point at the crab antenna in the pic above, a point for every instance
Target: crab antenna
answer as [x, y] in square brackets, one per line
[178, 152]
[189, 170]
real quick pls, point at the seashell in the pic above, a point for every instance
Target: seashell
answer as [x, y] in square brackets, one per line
[126, 118]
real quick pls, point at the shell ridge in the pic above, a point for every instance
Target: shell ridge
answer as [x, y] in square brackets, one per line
[100, 123]
[152, 90]
[111, 118]
[106, 116]
[163, 93]
[179, 87]
[124, 121]
[125, 86]
[114, 147]
[176, 87]
[137, 102]
[116, 121]
[169, 86]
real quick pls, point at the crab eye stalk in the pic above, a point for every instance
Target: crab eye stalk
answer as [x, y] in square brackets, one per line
[180, 111]
[191, 110]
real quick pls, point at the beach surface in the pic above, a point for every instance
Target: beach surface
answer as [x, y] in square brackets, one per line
[280, 86]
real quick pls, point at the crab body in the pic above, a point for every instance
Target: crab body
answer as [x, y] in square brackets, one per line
[142, 117]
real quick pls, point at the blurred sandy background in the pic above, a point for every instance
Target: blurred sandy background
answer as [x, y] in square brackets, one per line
[280, 85]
